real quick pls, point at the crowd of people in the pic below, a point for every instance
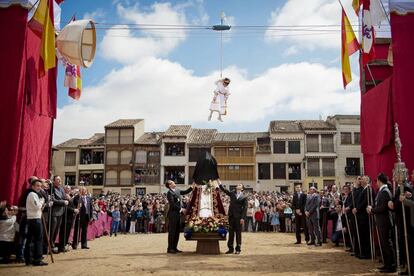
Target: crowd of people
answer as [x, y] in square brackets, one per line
[49, 212]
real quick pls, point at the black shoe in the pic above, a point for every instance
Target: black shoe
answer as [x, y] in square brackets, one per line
[28, 263]
[364, 257]
[41, 263]
[237, 253]
[388, 270]
[230, 251]
[403, 273]
[171, 252]
[62, 250]
[297, 242]
[382, 267]
[311, 243]
[178, 251]
[318, 244]
[85, 247]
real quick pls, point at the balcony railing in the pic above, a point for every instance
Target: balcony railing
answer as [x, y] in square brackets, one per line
[235, 159]
[328, 172]
[314, 172]
[148, 179]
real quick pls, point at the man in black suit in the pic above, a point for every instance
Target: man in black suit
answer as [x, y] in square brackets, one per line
[298, 205]
[59, 202]
[174, 217]
[361, 204]
[354, 197]
[383, 220]
[237, 213]
[83, 218]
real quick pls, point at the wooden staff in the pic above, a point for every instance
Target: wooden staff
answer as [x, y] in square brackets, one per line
[371, 243]
[356, 221]
[48, 240]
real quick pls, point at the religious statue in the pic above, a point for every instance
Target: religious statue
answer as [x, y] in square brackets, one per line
[205, 201]
[219, 102]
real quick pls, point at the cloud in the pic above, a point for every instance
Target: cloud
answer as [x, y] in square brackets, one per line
[163, 93]
[97, 15]
[315, 12]
[123, 44]
[291, 51]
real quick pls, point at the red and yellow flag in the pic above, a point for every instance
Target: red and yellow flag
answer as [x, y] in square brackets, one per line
[349, 46]
[356, 4]
[42, 24]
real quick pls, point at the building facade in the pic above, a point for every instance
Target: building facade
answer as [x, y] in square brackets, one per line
[127, 160]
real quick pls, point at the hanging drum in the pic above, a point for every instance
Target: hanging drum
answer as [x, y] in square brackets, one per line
[77, 42]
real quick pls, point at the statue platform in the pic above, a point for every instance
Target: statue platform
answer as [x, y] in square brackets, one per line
[207, 243]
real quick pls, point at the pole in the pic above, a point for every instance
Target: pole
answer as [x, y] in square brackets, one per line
[349, 232]
[407, 252]
[343, 233]
[380, 247]
[48, 240]
[221, 54]
[64, 230]
[397, 243]
[356, 222]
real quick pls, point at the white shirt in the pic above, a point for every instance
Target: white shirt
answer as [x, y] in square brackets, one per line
[8, 229]
[34, 206]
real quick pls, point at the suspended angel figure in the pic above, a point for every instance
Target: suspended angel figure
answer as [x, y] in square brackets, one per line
[219, 102]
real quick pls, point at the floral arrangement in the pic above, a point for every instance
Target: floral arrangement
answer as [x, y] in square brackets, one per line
[218, 224]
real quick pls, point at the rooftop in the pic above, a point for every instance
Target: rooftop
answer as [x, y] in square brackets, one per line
[202, 136]
[239, 136]
[124, 123]
[149, 138]
[316, 125]
[284, 126]
[96, 139]
[177, 131]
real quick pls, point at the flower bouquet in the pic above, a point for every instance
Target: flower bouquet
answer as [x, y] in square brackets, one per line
[218, 224]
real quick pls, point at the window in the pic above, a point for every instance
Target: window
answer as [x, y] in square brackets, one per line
[176, 174]
[279, 171]
[98, 157]
[312, 143]
[313, 167]
[125, 177]
[294, 146]
[70, 178]
[97, 178]
[294, 171]
[153, 157]
[141, 157]
[356, 138]
[126, 157]
[112, 157]
[85, 178]
[70, 158]
[111, 178]
[127, 136]
[345, 138]
[352, 166]
[196, 153]
[86, 156]
[327, 143]
[112, 136]
[234, 151]
[174, 149]
[264, 170]
[328, 167]
[314, 184]
[236, 172]
[279, 147]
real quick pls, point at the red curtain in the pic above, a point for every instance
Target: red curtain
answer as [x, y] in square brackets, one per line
[27, 106]
[403, 82]
[376, 130]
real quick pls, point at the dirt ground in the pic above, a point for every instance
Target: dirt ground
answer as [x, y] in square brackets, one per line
[262, 254]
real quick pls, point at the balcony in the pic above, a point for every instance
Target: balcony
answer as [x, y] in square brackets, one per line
[147, 179]
[314, 172]
[328, 172]
[352, 171]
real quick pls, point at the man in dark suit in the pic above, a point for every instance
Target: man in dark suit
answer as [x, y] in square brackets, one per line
[237, 213]
[174, 217]
[361, 204]
[298, 205]
[67, 221]
[84, 217]
[313, 202]
[59, 202]
[384, 224]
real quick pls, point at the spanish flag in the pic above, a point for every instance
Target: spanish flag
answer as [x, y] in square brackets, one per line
[349, 46]
[42, 24]
[356, 4]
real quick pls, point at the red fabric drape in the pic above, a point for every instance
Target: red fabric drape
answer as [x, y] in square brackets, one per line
[376, 130]
[28, 106]
[403, 83]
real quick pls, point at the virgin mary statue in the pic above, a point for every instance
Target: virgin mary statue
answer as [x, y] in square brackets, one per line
[205, 201]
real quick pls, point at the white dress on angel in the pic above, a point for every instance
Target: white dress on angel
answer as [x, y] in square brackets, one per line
[219, 102]
[206, 202]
